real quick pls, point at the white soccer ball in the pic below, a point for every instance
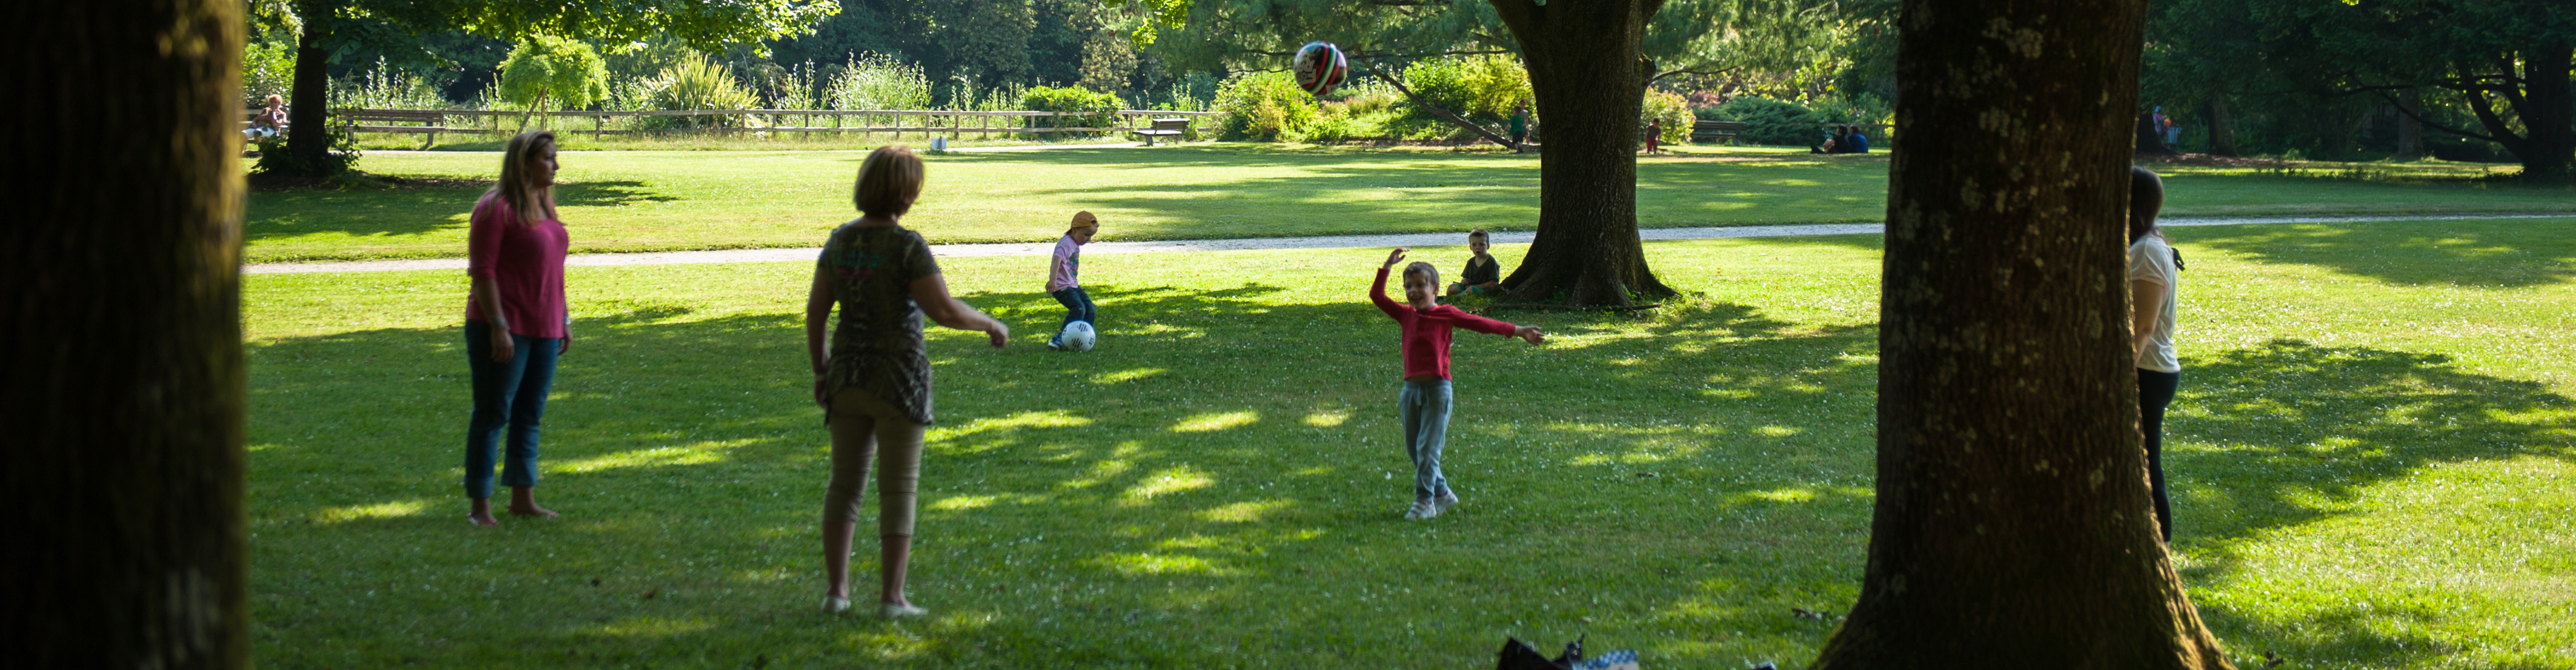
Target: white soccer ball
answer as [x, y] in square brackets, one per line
[1077, 336]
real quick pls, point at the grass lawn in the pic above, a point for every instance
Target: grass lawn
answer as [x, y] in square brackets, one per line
[674, 200]
[2371, 458]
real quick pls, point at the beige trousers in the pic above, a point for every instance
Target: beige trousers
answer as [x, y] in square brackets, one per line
[865, 429]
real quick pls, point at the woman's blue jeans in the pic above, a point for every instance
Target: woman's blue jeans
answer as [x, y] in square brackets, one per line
[506, 395]
[2155, 392]
[1423, 407]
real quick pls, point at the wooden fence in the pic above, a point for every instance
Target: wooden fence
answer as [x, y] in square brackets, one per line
[807, 122]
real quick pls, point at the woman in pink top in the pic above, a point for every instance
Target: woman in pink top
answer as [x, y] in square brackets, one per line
[515, 321]
[1423, 405]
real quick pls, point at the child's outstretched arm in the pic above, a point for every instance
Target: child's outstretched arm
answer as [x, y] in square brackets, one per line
[1480, 324]
[1377, 291]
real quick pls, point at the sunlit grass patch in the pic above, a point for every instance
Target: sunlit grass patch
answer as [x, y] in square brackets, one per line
[2369, 462]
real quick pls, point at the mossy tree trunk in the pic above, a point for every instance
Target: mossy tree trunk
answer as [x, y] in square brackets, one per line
[1590, 81]
[2012, 527]
[119, 280]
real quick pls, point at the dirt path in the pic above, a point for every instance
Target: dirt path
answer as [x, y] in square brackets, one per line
[1324, 242]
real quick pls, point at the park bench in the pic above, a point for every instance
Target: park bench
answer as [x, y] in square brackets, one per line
[1715, 131]
[1170, 127]
[431, 121]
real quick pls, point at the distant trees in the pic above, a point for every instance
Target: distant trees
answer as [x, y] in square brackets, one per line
[1589, 64]
[982, 45]
[2491, 70]
[546, 69]
[329, 27]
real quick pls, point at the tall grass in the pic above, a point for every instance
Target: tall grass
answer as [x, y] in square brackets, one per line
[878, 82]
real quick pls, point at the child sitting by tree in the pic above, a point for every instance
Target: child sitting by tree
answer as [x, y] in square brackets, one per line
[1063, 279]
[1483, 274]
[1423, 405]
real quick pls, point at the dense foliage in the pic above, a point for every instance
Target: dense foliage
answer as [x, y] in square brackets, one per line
[551, 70]
[1670, 109]
[698, 83]
[1264, 106]
[2347, 79]
[1100, 110]
[878, 82]
[1768, 121]
[1483, 89]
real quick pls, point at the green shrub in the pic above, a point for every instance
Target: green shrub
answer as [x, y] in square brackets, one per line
[878, 82]
[1768, 121]
[697, 82]
[1264, 106]
[267, 68]
[1672, 110]
[339, 160]
[544, 70]
[1096, 109]
[1482, 89]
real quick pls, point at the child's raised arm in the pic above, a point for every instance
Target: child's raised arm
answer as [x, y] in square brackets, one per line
[1377, 291]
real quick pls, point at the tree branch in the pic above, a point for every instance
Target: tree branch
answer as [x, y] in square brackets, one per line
[2428, 123]
[1436, 110]
[2486, 114]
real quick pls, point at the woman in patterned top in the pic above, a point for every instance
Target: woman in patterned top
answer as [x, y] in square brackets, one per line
[874, 386]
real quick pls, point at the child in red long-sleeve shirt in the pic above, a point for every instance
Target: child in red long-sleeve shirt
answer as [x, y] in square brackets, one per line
[1424, 404]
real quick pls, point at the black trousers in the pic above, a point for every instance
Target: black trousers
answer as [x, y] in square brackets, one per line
[2155, 391]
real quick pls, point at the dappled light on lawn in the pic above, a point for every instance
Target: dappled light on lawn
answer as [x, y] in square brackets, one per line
[1222, 481]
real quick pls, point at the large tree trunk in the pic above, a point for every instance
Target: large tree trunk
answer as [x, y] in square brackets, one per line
[2410, 133]
[2012, 527]
[119, 282]
[2222, 132]
[308, 133]
[2547, 145]
[1590, 81]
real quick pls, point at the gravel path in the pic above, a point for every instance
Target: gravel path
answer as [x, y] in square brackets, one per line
[1324, 242]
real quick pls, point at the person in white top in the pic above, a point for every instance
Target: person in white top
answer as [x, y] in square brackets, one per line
[2154, 270]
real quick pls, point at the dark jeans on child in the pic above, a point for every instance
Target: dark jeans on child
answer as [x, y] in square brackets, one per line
[1424, 408]
[2155, 391]
[506, 395]
[1078, 308]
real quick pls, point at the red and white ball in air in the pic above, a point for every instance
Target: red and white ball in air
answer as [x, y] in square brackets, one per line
[1320, 67]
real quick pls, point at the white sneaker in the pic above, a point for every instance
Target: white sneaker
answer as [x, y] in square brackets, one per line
[894, 611]
[1421, 510]
[1446, 500]
[833, 605]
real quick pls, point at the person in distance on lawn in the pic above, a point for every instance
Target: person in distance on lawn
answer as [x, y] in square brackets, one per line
[874, 385]
[1423, 405]
[1483, 274]
[1064, 279]
[515, 322]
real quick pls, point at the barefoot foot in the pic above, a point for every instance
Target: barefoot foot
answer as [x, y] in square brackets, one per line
[523, 502]
[482, 519]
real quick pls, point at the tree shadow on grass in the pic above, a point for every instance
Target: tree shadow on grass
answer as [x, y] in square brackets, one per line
[2494, 253]
[398, 212]
[1218, 482]
[2293, 429]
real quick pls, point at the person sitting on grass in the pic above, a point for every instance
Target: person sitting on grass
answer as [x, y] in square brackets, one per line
[874, 385]
[1064, 276]
[1423, 405]
[1483, 274]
